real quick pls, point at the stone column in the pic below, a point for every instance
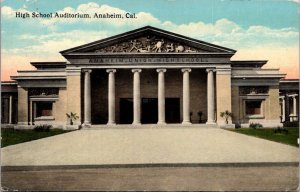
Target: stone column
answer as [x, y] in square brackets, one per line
[186, 96]
[136, 97]
[30, 113]
[294, 105]
[286, 108]
[210, 97]
[111, 97]
[161, 96]
[34, 110]
[283, 109]
[87, 97]
[10, 110]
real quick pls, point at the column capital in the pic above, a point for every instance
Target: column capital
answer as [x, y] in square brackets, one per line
[86, 70]
[136, 70]
[293, 95]
[161, 70]
[111, 70]
[210, 69]
[186, 70]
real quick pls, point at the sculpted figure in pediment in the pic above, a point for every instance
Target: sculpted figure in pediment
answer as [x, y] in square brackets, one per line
[179, 48]
[170, 47]
[134, 44]
[157, 47]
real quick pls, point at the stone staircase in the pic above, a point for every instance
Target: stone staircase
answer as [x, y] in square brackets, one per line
[149, 126]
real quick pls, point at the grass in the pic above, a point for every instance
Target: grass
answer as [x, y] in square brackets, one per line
[289, 138]
[12, 137]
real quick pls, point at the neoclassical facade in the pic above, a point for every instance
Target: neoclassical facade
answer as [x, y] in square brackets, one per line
[144, 76]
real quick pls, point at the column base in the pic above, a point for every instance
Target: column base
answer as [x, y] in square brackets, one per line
[211, 123]
[86, 125]
[136, 123]
[186, 123]
[111, 123]
[161, 123]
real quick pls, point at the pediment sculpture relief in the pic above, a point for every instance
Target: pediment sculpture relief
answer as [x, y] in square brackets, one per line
[148, 45]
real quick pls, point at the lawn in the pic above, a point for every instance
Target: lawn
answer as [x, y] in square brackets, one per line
[289, 138]
[12, 137]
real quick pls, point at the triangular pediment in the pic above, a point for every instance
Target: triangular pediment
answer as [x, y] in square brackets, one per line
[148, 40]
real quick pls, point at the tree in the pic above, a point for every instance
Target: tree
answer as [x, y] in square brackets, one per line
[72, 117]
[226, 115]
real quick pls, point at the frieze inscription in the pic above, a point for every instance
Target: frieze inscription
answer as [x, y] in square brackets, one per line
[148, 60]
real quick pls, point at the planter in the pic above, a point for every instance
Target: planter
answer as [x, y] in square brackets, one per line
[72, 127]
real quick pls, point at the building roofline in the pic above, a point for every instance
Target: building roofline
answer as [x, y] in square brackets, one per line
[245, 63]
[9, 83]
[289, 81]
[66, 51]
[52, 64]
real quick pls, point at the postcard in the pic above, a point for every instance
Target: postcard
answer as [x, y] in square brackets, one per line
[136, 95]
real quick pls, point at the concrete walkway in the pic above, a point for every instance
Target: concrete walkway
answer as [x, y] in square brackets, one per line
[146, 146]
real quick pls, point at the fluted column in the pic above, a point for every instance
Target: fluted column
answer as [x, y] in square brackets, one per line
[186, 96]
[87, 97]
[161, 96]
[111, 97]
[210, 97]
[136, 97]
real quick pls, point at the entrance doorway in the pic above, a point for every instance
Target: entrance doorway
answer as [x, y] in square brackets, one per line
[126, 110]
[149, 107]
[172, 110]
[149, 111]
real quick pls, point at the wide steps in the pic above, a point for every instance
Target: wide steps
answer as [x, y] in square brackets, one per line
[149, 126]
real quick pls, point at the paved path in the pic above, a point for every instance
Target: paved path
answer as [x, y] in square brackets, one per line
[147, 146]
[270, 178]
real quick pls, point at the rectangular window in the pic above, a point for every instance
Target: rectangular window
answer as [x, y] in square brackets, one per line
[253, 107]
[43, 109]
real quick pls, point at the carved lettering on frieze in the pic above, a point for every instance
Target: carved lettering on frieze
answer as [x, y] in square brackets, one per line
[251, 90]
[147, 45]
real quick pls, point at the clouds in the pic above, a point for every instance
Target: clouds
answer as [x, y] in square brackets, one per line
[54, 35]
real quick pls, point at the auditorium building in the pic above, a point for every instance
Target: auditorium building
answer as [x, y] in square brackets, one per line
[146, 76]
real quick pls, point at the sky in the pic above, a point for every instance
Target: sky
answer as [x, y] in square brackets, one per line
[257, 29]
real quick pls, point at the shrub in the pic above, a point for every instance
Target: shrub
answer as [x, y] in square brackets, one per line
[291, 124]
[255, 125]
[42, 128]
[281, 130]
[226, 114]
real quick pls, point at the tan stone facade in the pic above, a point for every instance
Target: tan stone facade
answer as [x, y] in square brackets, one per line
[169, 79]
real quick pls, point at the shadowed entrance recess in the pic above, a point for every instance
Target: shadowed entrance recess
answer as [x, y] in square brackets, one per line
[150, 110]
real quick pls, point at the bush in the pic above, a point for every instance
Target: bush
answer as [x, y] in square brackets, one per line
[255, 125]
[291, 124]
[281, 130]
[42, 128]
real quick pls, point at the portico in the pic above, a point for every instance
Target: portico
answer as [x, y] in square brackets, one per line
[134, 82]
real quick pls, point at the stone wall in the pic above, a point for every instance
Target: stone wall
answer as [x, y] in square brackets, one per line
[22, 106]
[60, 107]
[73, 95]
